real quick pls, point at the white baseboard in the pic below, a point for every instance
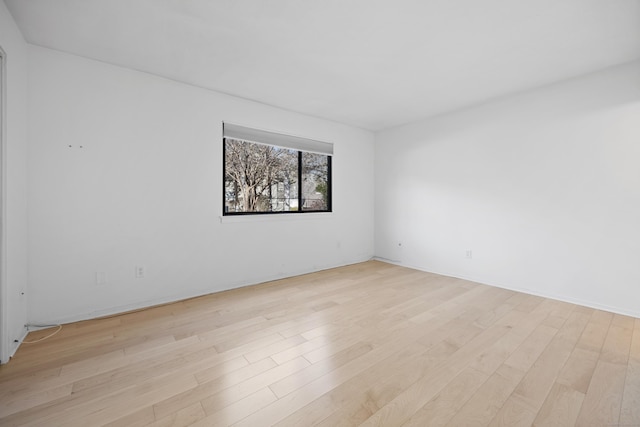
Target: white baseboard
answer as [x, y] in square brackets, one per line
[110, 311]
[558, 297]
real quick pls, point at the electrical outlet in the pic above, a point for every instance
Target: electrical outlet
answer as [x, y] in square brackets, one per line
[140, 272]
[101, 278]
[468, 254]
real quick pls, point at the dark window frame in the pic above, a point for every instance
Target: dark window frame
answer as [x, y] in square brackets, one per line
[299, 184]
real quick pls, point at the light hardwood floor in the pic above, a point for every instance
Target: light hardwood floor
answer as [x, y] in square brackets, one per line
[368, 344]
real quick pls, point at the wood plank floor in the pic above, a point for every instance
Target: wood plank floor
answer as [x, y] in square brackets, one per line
[370, 344]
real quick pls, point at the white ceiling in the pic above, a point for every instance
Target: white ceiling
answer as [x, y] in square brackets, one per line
[369, 63]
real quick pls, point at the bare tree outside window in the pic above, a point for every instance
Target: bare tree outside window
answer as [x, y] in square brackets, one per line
[315, 178]
[262, 178]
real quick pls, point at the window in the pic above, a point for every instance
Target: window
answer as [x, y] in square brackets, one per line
[266, 172]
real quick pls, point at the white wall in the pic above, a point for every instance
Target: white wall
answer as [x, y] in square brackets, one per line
[15, 174]
[146, 189]
[543, 187]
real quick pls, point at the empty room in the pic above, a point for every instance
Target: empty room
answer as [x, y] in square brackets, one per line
[332, 213]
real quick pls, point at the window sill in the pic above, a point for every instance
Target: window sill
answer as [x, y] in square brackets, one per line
[313, 216]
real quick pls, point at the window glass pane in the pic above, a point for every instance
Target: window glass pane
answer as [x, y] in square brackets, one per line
[315, 182]
[260, 178]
